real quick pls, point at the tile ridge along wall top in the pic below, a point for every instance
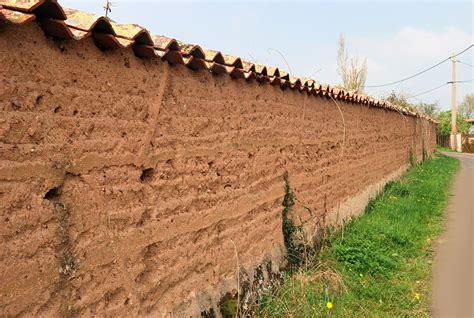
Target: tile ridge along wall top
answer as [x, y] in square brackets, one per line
[68, 24]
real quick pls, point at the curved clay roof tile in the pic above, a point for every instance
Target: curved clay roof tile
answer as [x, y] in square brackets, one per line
[235, 61]
[88, 22]
[235, 72]
[273, 71]
[216, 68]
[15, 17]
[248, 66]
[276, 80]
[107, 41]
[165, 43]
[25, 5]
[43, 8]
[50, 9]
[250, 75]
[295, 82]
[214, 56]
[261, 69]
[191, 49]
[194, 63]
[284, 75]
[60, 29]
[308, 82]
[132, 32]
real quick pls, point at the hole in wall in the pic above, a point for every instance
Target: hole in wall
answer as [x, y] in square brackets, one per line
[126, 62]
[52, 193]
[16, 104]
[38, 99]
[147, 175]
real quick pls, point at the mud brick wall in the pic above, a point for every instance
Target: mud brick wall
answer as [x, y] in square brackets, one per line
[128, 186]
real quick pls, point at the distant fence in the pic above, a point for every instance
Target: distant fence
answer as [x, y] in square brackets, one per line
[467, 142]
[442, 141]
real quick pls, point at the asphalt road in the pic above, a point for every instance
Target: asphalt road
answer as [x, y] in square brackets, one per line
[453, 278]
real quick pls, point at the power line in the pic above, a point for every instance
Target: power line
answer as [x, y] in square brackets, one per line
[430, 90]
[419, 73]
[465, 63]
[464, 81]
[440, 86]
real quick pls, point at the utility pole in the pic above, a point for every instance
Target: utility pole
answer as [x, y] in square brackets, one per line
[454, 129]
[108, 8]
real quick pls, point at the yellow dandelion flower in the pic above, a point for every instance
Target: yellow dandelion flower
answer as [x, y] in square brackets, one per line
[417, 296]
[329, 305]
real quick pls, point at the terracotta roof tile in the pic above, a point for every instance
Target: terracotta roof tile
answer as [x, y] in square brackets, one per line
[233, 61]
[214, 56]
[60, 29]
[194, 63]
[142, 50]
[192, 49]
[273, 71]
[295, 83]
[216, 68]
[165, 43]
[308, 82]
[235, 72]
[15, 17]
[276, 80]
[22, 5]
[88, 22]
[248, 66]
[261, 69]
[46, 8]
[284, 75]
[133, 32]
[250, 75]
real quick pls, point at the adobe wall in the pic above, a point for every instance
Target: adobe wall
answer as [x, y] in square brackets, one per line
[128, 186]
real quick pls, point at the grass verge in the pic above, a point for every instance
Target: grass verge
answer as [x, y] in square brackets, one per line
[444, 149]
[378, 265]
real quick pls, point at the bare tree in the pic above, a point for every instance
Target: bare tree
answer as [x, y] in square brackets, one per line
[352, 72]
[466, 108]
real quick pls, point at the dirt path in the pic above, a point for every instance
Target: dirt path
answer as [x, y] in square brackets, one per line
[453, 279]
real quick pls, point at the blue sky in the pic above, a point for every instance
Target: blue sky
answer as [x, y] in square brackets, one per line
[397, 38]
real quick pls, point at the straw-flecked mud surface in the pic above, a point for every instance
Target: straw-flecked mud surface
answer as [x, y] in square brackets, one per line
[125, 183]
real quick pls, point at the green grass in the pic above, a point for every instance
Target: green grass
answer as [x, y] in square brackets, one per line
[378, 265]
[444, 149]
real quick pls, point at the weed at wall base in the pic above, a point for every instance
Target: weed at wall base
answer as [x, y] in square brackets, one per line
[412, 158]
[288, 226]
[299, 249]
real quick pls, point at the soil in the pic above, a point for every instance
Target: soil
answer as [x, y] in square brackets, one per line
[453, 280]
